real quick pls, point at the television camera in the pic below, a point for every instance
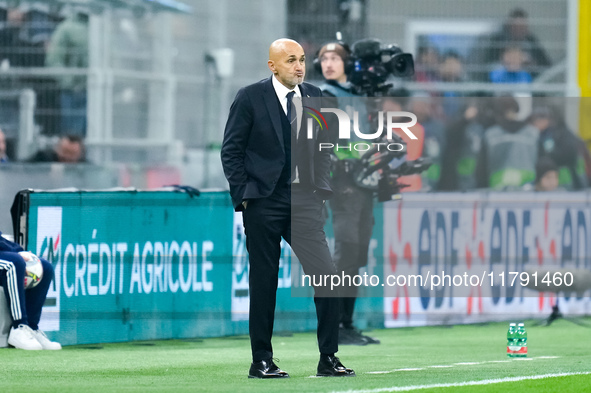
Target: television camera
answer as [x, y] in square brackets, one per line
[372, 65]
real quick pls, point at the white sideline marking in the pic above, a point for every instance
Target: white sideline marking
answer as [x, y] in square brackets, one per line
[396, 370]
[467, 383]
[460, 364]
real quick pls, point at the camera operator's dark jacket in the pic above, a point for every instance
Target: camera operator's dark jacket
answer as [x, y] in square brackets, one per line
[345, 160]
[340, 96]
[332, 88]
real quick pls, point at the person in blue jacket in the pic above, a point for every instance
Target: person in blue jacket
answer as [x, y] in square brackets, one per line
[24, 305]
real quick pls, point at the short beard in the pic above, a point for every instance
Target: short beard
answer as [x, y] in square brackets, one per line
[292, 81]
[297, 80]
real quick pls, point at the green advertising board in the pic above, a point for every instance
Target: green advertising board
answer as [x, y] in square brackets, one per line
[134, 265]
[150, 265]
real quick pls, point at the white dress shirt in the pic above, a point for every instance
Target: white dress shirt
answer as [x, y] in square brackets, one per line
[281, 90]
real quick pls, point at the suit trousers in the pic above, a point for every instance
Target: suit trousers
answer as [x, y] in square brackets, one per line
[299, 221]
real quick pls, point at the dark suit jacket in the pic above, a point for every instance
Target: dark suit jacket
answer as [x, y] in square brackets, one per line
[253, 154]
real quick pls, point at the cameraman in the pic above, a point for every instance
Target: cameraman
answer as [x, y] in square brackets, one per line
[352, 206]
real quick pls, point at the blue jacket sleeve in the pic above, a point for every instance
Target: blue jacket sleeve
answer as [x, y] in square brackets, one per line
[8, 246]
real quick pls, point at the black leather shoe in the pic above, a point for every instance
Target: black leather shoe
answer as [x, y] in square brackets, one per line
[331, 366]
[350, 336]
[371, 340]
[266, 369]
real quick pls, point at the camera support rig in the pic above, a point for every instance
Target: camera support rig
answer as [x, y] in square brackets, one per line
[377, 161]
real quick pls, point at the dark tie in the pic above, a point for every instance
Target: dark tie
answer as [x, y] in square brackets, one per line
[291, 117]
[291, 113]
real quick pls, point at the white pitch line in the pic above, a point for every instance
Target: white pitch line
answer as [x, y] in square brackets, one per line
[458, 364]
[518, 359]
[395, 370]
[460, 384]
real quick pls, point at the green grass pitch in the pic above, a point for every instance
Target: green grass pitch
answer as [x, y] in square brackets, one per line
[408, 357]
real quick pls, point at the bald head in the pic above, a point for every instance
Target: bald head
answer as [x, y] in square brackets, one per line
[282, 45]
[287, 61]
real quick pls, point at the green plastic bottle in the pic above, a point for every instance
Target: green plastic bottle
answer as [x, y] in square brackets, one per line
[521, 341]
[512, 340]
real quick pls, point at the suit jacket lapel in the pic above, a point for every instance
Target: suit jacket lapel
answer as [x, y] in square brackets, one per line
[311, 102]
[270, 98]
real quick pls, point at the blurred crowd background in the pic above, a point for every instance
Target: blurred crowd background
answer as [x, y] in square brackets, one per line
[137, 92]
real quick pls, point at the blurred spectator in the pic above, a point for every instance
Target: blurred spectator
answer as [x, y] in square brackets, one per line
[9, 37]
[563, 147]
[17, 47]
[69, 48]
[68, 149]
[40, 23]
[3, 156]
[514, 32]
[427, 64]
[546, 175]
[511, 70]
[461, 155]
[509, 149]
[23, 42]
[451, 70]
[434, 140]
[397, 101]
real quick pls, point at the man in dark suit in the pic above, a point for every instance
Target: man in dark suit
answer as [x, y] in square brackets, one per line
[280, 198]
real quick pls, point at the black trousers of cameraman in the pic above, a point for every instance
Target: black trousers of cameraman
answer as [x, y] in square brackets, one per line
[352, 218]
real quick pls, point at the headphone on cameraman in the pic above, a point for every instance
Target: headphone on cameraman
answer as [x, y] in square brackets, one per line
[348, 62]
